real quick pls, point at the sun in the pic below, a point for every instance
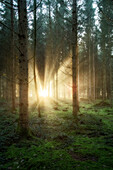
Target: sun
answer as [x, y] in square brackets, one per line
[43, 93]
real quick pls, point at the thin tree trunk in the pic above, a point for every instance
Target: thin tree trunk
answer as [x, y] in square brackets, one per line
[64, 94]
[89, 69]
[23, 69]
[83, 76]
[111, 81]
[3, 89]
[7, 82]
[75, 60]
[57, 85]
[103, 48]
[54, 86]
[104, 74]
[96, 72]
[0, 87]
[78, 81]
[35, 81]
[12, 57]
[93, 72]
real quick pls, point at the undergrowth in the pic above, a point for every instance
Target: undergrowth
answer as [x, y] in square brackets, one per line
[59, 143]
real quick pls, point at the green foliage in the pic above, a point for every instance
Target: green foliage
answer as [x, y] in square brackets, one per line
[59, 142]
[42, 156]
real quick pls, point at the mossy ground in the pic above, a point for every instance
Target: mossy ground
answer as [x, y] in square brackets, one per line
[60, 144]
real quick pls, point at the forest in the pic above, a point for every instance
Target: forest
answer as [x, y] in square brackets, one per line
[56, 84]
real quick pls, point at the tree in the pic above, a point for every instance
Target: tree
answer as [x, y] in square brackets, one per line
[5, 53]
[75, 60]
[12, 58]
[23, 69]
[89, 24]
[105, 9]
[103, 49]
[34, 67]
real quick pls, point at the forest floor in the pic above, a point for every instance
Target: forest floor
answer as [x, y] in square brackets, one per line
[60, 144]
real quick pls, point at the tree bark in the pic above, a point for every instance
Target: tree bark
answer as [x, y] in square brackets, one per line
[34, 67]
[12, 57]
[23, 69]
[57, 84]
[89, 67]
[0, 86]
[74, 60]
[93, 82]
[111, 81]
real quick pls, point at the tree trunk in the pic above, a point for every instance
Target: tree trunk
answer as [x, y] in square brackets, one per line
[93, 83]
[35, 81]
[3, 89]
[103, 49]
[89, 68]
[23, 69]
[104, 73]
[111, 81]
[97, 92]
[74, 60]
[54, 86]
[0, 86]
[57, 85]
[12, 57]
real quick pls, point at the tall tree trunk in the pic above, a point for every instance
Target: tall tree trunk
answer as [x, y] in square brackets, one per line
[0, 86]
[104, 72]
[7, 84]
[97, 91]
[3, 88]
[23, 69]
[107, 81]
[74, 60]
[93, 75]
[89, 67]
[83, 80]
[54, 86]
[56, 53]
[103, 49]
[35, 81]
[111, 81]
[78, 80]
[57, 85]
[12, 57]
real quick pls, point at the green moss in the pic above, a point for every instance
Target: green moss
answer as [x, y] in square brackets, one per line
[56, 142]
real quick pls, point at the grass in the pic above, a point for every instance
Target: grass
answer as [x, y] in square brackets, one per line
[60, 144]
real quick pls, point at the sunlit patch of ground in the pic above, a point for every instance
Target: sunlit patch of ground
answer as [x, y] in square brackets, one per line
[60, 143]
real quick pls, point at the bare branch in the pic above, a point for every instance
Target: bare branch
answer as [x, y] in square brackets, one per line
[8, 27]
